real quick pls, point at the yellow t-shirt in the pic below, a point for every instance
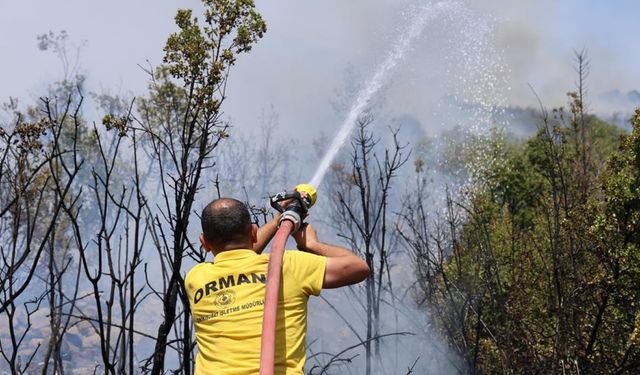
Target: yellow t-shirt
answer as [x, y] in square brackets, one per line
[227, 298]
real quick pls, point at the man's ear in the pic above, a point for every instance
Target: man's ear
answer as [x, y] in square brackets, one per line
[205, 245]
[254, 233]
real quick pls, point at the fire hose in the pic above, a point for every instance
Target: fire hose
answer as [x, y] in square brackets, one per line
[299, 202]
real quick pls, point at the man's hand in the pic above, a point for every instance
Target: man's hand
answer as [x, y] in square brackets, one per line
[306, 238]
[268, 230]
[343, 266]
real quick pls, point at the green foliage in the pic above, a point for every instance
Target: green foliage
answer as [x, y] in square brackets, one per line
[617, 228]
[544, 276]
[620, 216]
[119, 123]
[166, 103]
[186, 92]
[201, 55]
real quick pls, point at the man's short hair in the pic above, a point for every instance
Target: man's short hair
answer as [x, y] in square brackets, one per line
[226, 220]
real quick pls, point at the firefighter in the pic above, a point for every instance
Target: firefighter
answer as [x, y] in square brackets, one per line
[227, 295]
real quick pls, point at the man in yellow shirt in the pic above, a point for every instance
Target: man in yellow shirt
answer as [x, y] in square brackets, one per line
[227, 295]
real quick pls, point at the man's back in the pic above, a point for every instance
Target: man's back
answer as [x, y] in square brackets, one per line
[227, 299]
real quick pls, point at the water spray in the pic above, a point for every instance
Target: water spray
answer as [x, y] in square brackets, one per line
[397, 53]
[294, 206]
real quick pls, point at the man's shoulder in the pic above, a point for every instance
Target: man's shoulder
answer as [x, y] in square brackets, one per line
[301, 258]
[298, 254]
[308, 269]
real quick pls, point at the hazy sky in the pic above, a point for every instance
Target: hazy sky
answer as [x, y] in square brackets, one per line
[304, 58]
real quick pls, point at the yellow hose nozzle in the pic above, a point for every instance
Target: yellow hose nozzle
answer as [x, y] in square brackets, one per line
[309, 190]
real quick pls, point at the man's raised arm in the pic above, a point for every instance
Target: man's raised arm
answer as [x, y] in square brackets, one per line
[265, 234]
[343, 266]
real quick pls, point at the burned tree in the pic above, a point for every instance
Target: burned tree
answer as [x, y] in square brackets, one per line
[76, 200]
[362, 218]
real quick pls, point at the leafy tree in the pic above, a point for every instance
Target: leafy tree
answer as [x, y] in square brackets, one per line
[183, 136]
[617, 271]
[537, 270]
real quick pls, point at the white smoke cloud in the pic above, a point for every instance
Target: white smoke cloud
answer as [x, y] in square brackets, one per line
[532, 40]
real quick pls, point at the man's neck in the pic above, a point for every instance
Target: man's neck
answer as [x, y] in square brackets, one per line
[234, 246]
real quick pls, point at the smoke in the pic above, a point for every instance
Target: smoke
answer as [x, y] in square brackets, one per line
[465, 67]
[302, 58]
[301, 62]
[538, 39]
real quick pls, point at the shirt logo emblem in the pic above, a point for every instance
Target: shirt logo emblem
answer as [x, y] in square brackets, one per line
[225, 297]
